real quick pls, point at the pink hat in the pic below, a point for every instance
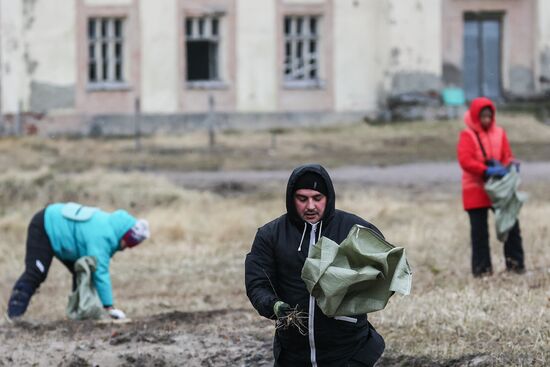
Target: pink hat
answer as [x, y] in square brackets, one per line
[137, 234]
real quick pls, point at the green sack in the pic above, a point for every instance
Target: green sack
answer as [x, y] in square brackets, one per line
[506, 200]
[358, 276]
[84, 302]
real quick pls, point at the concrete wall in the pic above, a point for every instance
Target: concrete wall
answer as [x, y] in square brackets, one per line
[13, 75]
[370, 49]
[359, 53]
[256, 56]
[108, 2]
[414, 34]
[50, 54]
[160, 86]
[543, 12]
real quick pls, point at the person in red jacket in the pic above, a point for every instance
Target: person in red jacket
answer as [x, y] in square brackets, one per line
[483, 152]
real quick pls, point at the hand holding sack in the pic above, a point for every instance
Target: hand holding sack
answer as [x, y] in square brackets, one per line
[498, 171]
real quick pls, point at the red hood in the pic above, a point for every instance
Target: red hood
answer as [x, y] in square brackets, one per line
[471, 117]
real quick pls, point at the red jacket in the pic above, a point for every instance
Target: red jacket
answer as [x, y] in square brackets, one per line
[470, 155]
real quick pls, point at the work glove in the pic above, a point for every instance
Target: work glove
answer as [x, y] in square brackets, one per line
[493, 163]
[496, 171]
[116, 314]
[281, 309]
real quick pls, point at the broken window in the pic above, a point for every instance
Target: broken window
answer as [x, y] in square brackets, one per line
[202, 48]
[105, 51]
[301, 53]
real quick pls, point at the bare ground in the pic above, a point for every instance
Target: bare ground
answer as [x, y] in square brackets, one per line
[208, 338]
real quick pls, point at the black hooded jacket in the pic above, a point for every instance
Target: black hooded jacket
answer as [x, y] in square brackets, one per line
[273, 272]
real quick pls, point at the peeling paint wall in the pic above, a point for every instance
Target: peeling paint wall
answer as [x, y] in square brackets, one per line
[13, 78]
[159, 73]
[50, 53]
[359, 53]
[301, 2]
[46, 97]
[521, 80]
[543, 12]
[109, 2]
[415, 46]
[256, 56]
[376, 48]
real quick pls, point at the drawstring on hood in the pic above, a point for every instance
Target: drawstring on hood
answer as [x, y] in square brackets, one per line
[302, 240]
[304, 233]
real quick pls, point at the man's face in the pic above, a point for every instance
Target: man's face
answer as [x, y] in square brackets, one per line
[310, 205]
[486, 117]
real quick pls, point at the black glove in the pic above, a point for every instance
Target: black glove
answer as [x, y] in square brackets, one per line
[281, 309]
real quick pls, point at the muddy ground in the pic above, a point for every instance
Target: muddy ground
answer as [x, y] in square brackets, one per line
[211, 339]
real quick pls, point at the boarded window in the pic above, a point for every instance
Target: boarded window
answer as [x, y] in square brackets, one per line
[105, 51]
[202, 48]
[301, 60]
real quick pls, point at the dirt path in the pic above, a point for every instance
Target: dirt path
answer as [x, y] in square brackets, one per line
[415, 174]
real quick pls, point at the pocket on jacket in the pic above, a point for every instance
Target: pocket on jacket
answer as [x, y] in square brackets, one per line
[352, 320]
[370, 352]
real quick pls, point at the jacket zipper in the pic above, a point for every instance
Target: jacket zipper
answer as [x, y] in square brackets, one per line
[311, 316]
[311, 332]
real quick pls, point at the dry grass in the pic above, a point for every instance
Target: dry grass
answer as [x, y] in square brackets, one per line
[355, 144]
[195, 259]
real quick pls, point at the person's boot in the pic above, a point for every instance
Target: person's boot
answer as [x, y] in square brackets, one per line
[19, 300]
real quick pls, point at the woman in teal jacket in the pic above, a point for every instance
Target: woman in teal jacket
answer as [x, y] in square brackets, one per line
[70, 231]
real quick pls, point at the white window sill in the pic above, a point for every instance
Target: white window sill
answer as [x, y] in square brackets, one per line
[304, 84]
[108, 87]
[206, 84]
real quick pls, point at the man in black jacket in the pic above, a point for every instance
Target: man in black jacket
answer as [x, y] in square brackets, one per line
[274, 284]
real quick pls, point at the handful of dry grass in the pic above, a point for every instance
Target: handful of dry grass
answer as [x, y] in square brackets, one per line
[294, 318]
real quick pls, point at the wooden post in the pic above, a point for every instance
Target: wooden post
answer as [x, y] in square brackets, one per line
[211, 119]
[137, 127]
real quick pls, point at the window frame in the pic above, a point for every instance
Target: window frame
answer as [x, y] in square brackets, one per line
[205, 35]
[109, 82]
[299, 40]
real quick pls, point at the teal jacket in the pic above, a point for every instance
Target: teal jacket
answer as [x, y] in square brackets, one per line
[75, 231]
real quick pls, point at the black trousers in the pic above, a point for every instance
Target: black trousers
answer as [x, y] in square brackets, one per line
[366, 356]
[481, 255]
[38, 259]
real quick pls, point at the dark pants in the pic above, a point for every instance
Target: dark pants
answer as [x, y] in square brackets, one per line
[38, 259]
[481, 254]
[369, 353]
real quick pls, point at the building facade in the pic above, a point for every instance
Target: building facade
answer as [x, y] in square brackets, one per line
[68, 63]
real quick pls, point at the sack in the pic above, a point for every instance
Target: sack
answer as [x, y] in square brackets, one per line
[84, 303]
[358, 276]
[506, 200]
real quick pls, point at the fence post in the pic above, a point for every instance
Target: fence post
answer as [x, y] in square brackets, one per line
[17, 128]
[211, 119]
[137, 127]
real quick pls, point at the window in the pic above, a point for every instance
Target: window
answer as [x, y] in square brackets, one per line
[105, 51]
[202, 48]
[301, 60]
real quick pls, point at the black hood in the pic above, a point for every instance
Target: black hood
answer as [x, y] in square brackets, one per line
[331, 196]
